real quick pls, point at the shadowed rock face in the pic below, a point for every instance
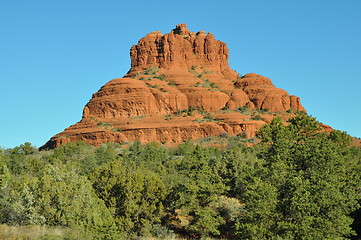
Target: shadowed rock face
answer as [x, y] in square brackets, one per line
[170, 75]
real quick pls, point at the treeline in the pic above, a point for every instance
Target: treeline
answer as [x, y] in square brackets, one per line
[298, 183]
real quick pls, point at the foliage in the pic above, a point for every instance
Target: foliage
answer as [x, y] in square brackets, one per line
[104, 124]
[172, 84]
[151, 70]
[32, 232]
[257, 117]
[298, 183]
[304, 186]
[59, 198]
[243, 108]
[213, 85]
[161, 77]
[133, 196]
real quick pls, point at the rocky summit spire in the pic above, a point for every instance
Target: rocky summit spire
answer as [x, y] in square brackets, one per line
[179, 87]
[181, 29]
[179, 50]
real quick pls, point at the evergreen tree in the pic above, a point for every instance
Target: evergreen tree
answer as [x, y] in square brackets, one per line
[305, 188]
[133, 196]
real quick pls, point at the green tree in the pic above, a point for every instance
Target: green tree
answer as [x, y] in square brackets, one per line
[197, 189]
[68, 199]
[86, 157]
[151, 156]
[305, 188]
[133, 195]
[60, 197]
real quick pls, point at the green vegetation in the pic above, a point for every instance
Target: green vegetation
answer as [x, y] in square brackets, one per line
[151, 70]
[243, 109]
[225, 108]
[104, 124]
[161, 77]
[207, 72]
[189, 111]
[117, 130]
[206, 82]
[149, 74]
[139, 117]
[263, 111]
[257, 117]
[213, 85]
[207, 117]
[172, 84]
[198, 84]
[297, 183]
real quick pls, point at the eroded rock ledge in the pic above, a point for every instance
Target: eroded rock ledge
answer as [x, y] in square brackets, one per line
[179, 87]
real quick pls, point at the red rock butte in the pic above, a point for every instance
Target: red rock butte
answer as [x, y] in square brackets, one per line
[179, 87]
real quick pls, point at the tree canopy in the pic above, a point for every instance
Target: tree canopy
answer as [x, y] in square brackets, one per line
[299, 182]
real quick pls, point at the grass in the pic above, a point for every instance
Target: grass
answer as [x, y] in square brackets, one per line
[117, 130]
[207, 83]
[151, 70]
[139, 117]
[207, 72]
[207, 117]
[104, 124]
[257, 117]
[213, 85]
[263, 111]
[161, 77]
[243, 109]
[31, 232]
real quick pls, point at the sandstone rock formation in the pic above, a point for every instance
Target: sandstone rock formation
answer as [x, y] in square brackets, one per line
[179, 87]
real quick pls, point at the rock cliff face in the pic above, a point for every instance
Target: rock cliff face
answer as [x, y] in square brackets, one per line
[179, 50]
[179, 87]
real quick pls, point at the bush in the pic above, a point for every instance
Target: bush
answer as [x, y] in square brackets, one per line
[160, 77]
[151, 70]
[224, 135]
[243, 108]
[134, 196]
[213, 85]
[104, 124]
[257, 117]
[117, 130]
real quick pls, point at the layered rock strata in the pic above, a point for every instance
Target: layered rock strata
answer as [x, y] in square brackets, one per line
[179, 87]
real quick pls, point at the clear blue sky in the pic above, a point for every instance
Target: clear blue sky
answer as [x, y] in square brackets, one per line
[55, 54]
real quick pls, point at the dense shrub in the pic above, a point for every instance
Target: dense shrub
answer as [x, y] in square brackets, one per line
[298, 183]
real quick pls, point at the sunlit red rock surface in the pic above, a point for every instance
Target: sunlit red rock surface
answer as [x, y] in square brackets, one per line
[179, 87]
